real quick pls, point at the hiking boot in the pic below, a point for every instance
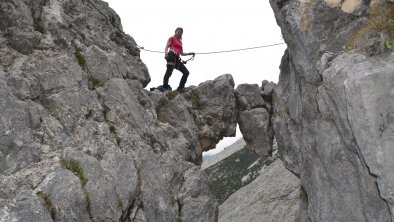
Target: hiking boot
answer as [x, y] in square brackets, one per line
[166, 88]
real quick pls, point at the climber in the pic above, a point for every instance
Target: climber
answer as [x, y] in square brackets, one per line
[174, 44]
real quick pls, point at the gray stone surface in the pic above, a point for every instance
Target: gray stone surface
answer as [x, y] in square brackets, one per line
[248, 97]
[364, 91]
[332, 112]
[80, 137]
[235, 171]
[257, 130]
[254, 116]
[273, 196]
[137, 151]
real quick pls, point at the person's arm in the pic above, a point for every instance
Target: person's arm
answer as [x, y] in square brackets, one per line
[166, 48]
[186, 54]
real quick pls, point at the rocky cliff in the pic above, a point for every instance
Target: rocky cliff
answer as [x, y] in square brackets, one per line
[80, 137]
[82, 140]
[334, 106]
[273, 196]
[235, 171]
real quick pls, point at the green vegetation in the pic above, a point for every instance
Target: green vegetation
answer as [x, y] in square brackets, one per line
[163, 103]
[120, 202]
[115, 135]
[81, 60]
[106, 110]
[87, 196]
[226, 176]
[196, 101]
[286, 108]
[380, 23]
[37, 23]
[46, 201]
[171, 95]
[75, 167]
[96, 83]
[303, 194]
[113, 20]
[180, 219]
[388, 44]
[139, 174]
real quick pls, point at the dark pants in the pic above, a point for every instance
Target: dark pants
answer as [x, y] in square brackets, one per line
[174, 62]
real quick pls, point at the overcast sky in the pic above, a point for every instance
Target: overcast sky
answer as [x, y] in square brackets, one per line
[208, 26]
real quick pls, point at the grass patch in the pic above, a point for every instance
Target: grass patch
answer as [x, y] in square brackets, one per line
[75, 167]
[105, 111]
[80, 58]
[37, 23]
[114, 134]
[171, 95]
[196, 101]
[120, 202]
[139, 174]
[163, 103]
[87, 196]
[113, 20]
[96, 83]
[380, 22]
[303, 194]
[46, 202]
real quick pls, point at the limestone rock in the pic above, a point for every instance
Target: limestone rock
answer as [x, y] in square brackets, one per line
[257, 130]
[235, 171]
[214, 110]
[248, 97]
[273, 196]
[254, 116]
[80, 136]
[332, 112]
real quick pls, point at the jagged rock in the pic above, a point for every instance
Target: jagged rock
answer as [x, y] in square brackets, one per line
[64, 201]
[273, 196]
[361, 88]
[254, 119]
[248, 97]
[194, 195]
[235, 170]
[80, 137]
[214, 110]
[267, 89]
[257, 130]
[331, 114]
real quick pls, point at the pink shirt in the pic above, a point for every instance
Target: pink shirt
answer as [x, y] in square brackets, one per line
[175, 44]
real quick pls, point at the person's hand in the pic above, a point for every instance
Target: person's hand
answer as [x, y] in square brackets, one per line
[192, 53]
[166, 56]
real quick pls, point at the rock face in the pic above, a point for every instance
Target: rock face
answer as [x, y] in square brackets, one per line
[333, 112]
[81, 140]
[273, 196]
[254, 116]
[235, 171]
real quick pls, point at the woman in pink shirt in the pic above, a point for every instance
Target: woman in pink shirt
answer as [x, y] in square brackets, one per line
[172, 52]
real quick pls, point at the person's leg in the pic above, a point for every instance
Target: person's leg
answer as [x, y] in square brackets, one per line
[171, 59]
[167, 76]
[185, 73]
